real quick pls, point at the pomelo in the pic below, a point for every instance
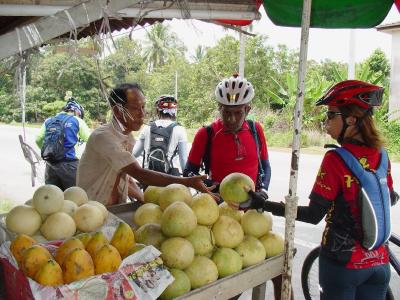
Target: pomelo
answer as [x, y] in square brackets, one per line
[255, 223]
[205, 208]
[202, 240]
[172, 193]
[227, 260]
[227, 232]
[152, 194]
[201, 271]
[273, 243]
[180, 286]
[178, 219]
[177, 253]
[251, 251]
[226, 210]
[150, 234]
[234, 187]
[148, 213]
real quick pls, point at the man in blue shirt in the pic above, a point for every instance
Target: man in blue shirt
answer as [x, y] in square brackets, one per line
[62, 173]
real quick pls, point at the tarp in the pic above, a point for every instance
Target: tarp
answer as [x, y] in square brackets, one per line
[330, 13]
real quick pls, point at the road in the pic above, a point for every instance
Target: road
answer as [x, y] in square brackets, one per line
[15, 186]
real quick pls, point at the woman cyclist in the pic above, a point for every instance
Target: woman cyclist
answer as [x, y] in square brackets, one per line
[350, 266]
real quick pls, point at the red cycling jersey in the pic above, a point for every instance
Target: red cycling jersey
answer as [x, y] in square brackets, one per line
[229, 152]
[336, 186]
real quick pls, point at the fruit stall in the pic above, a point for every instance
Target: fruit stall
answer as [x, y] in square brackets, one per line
[137, 252]
[214, 252]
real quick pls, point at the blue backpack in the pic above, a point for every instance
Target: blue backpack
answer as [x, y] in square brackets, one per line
[53, 149]
[374, 199]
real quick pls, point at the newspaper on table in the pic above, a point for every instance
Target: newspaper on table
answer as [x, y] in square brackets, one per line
[141, 276]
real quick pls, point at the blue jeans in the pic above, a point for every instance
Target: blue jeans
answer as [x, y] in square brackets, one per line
[339, 283]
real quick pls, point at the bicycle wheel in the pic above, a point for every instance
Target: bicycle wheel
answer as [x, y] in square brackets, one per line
[309, 275]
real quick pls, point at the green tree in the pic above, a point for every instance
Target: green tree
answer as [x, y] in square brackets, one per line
[161, 45]
[378, 62]
[199, 53]
[126, 59]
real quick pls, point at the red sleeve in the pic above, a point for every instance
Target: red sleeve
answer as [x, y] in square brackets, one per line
[264, 149]
[198, 146]
[328, 182]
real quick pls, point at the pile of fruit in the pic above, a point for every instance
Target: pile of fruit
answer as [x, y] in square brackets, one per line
[76, 258]
[52, 214]
[201, 241]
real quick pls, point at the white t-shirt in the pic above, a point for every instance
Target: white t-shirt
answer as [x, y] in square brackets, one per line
[178, 135]
[106, 153]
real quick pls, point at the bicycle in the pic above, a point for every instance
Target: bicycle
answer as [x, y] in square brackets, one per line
[309, 271]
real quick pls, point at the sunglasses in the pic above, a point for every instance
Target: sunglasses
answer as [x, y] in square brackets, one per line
[332, 114]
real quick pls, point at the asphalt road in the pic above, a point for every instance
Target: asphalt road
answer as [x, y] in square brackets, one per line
[15, 186]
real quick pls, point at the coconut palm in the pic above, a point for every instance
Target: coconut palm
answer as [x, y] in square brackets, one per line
[199, 53]
[161, 45]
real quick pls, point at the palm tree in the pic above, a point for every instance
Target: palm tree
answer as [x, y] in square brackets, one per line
[199, 53]
[161, 45]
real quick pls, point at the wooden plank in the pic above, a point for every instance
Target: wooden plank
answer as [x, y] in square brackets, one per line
[235, 284]
[47, 28]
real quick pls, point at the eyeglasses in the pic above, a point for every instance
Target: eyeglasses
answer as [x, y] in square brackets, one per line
[332, 114]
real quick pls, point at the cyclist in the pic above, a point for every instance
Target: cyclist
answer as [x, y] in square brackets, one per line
[229, 144]
[232, 144]
[347, 268]
[62, 172]
[166, 135]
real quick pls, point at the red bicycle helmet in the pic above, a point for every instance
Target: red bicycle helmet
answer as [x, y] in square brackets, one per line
[356, 92]
[167, 104]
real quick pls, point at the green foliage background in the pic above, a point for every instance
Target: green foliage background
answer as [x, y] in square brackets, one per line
[157, 61]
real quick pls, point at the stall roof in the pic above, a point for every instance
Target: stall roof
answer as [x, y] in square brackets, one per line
[28, 23]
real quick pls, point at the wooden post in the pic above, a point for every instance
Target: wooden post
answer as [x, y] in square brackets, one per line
[291, 198]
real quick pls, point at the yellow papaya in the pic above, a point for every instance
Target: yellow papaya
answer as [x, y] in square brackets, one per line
[50, 273]
[97, 241]
[66, 247]
[33, 258]
[107, 259]
[19, 245]
[123, 239]
[77, 265]
[84, 238]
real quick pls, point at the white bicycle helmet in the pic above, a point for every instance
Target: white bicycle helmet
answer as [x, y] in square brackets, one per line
[234, 91]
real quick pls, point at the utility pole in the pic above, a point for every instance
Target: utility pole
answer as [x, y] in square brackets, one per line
[242, 53]
[176, 85]
[351, 69]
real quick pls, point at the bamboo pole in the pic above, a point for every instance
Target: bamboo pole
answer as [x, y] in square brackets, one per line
[291, 198]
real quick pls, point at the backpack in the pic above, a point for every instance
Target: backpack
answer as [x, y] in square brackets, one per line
[374, 199]
[207, 153]
[157, 158]
[53, 149]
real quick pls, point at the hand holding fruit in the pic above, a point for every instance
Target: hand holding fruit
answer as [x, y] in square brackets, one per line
[257, 200]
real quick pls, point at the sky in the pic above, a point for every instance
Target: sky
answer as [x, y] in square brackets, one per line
[323, 43]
